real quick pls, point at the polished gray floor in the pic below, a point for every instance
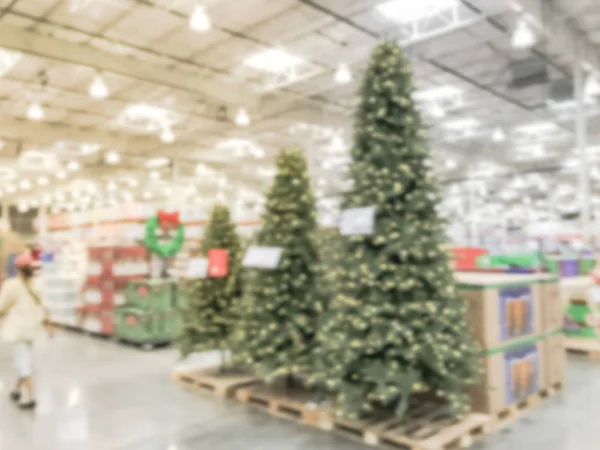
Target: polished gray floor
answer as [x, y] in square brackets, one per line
[96, 395]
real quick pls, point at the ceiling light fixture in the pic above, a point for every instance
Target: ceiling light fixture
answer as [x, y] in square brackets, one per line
[112, 157]
[273, 60]
[242, 118]
[111, 186]
[156, 163]
[133, 182]
[167, 136]
[147, 195]
[154, 175]
[35, 112]
[498, 135]
[22, 207]
[25, 184]
[343, 74]
[199, 20]
[523, 37]
[61, 175]
[43, 181]
[437, 111]
[592, 85]
[98, 89]
[73, 166]
[11, 188]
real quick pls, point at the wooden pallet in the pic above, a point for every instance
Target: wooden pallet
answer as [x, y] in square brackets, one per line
[211, 380]
[589, 347]
[508, 415]
[428, 428]
[294, 404]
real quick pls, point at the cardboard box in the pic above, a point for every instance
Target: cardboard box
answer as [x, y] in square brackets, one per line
[552, 306]
[510, 376]
[556, 360]
[502, 308]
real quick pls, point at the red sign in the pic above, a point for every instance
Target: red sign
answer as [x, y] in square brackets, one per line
[217, 263]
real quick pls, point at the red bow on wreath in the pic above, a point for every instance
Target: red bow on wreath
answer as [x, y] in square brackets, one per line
[168, 220]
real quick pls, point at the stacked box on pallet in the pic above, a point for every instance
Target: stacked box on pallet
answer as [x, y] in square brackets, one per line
[109, 271]
[513, 318]
[151, 313]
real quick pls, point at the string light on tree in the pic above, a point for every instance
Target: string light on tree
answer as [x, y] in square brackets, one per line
[98, 88]
[199, 20]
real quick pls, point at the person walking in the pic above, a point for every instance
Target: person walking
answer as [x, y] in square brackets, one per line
[23, 317]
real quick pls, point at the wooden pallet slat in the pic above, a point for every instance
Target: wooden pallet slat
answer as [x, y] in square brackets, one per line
[583, 346]
[212, 380]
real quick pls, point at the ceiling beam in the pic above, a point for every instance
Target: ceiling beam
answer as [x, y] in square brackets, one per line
[51, 47]
[549, 17]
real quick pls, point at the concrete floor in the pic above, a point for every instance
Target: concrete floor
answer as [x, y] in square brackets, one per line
[96, 395]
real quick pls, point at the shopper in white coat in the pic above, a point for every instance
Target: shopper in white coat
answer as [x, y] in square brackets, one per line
[23, 317]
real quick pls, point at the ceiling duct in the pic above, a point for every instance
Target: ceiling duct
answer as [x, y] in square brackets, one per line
[527, 72]
[561, 91]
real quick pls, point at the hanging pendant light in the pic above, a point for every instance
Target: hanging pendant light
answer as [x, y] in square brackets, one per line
[523, 37]
[35, 112]
[98, 89]
[242, 118]
[199, 20]
[343, 74]
[167, 136]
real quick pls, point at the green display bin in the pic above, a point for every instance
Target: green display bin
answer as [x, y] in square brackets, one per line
[586, 265]
[134, 325]
[553, 266]
[156, 295]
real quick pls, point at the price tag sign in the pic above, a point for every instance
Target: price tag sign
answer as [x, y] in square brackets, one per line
[357, 221]
[197, 268]
[595, 294]
[262, 257]
[217, 263]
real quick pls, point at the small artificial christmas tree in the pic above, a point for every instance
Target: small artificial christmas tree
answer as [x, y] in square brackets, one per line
[213, 310]
[281, 307]
[396, 324]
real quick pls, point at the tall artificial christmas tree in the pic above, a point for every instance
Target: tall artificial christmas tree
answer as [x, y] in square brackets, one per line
[281, 307]
[396, 325]
[213, 310]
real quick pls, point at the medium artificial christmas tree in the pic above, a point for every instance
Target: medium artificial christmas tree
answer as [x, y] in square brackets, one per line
[396, 325]
[213, 310]
[281, 306]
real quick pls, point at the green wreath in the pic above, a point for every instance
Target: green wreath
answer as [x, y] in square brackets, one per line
[167, 249]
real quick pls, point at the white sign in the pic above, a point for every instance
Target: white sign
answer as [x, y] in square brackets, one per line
[197, 268]
[262, 257]
[595, 294]
[357, 221]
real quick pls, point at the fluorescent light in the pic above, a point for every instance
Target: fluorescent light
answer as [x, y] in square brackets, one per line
[199, 20]
[156, 163]
[25, 184]
[592, 85]
[523, 37]
[437, 93]
[35, 112]
[154, 175]
[89, 148]
[273, 60]
[42, 181]
[343, 74]
[22, 207]
[242, 118]
[112, 157]
[133, 182]
[437, 111]
[167, 136]
[61, 175]
[537, 128]
[147, 195]
[98, 88]
[409, 11]
[464, 124]
[498, 135]
[73, 166]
